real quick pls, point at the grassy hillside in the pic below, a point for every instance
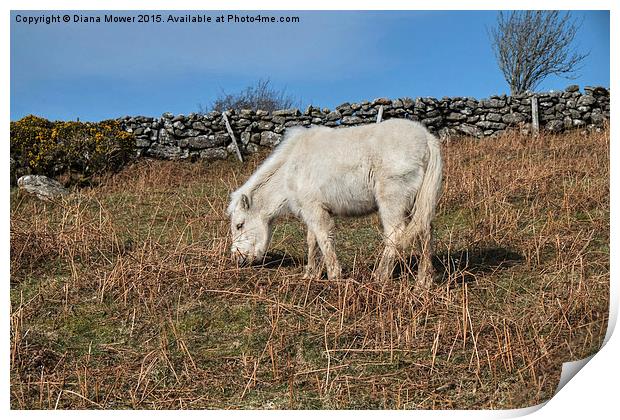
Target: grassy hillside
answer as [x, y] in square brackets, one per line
[123, 296]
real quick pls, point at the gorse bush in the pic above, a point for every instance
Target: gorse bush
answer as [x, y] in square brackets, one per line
[42, 147]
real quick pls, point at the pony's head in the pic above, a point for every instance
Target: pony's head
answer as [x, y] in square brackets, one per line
[251, 230]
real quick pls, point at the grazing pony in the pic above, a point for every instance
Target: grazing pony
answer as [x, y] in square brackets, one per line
[393, 167]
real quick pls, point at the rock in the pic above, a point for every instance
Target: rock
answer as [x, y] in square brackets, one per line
[490, 125]
[231, 149]
[333, 116]
[245, 137]
[270, 139]
[555, 126]
[367, 112]
[431, 121]
[578, 123]
[294, 123]
[42, 187]
[586, 100]
[164, 136]
[408, 103]
[141, 143]
[287, 112]
[470, 130]
[242, 122]
[265, 125]
[597, 118]
[348, 120]
[205, 142]
[513, 118]
[494, 117]
[183, 142]
[568, 122]
[446, 133]
[251, 148]
[187, 132]
[344, 109]
[255, 138]
[214, 154]
[164, 151]
[600, 91]
[572, 88]
[199, 125]
[493, 103]
[382, 101]
[574, 113]
[455, 116]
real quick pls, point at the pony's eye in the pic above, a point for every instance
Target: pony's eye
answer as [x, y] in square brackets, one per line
[239, 226]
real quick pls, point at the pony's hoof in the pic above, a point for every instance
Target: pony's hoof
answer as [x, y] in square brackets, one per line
[311, 273]
[382, 274]
[423, 283]
[334, 275]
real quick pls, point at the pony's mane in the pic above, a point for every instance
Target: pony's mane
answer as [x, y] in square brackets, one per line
[268, 168]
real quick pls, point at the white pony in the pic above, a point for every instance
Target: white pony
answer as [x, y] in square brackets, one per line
[316, 173]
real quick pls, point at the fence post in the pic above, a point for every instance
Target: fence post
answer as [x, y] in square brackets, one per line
[232, 136]
[380, 114]
[535, 124]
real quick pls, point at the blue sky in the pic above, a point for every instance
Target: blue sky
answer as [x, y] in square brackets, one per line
[98, 71]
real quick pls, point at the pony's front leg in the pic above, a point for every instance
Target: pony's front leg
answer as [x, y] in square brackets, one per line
[322, 225]
[313, 269]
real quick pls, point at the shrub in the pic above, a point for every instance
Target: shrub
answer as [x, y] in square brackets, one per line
[42, 147]
[258, 96]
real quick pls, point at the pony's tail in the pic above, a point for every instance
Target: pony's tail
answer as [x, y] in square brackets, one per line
[426, 199]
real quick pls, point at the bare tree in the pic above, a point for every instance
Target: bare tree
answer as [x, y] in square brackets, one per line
[531, 45]
[258, 96]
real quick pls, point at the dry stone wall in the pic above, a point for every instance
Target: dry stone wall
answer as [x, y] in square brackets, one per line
[204, 136]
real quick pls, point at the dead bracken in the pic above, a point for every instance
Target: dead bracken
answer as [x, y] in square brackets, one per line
[123, 295]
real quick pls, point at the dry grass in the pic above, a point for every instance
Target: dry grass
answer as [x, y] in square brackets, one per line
[122, 296]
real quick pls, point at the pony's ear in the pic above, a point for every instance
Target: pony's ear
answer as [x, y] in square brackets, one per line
[245, 202]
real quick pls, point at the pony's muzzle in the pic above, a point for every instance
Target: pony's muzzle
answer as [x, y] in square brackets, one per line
[241, 259]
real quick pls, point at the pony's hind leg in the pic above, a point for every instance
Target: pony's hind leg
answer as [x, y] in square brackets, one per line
[426, 272]
[392, 240]
[322, 226]
[393, 210]
[313, 268]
